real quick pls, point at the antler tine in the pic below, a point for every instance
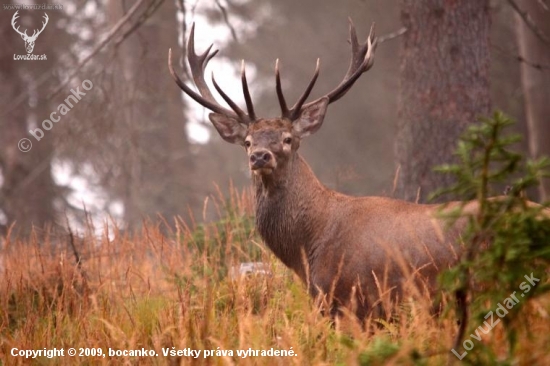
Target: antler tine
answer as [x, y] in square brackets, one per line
[37, 32]
[246, 92]
[204, 97]
[243, 118]
[202, 100]
[372, 42]
[285, 112]
[13, 21]
[45, 22]
[362, 59]
[295, 110]
[198, 63]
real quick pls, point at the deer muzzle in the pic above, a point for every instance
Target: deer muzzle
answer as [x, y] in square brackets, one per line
[261, 159]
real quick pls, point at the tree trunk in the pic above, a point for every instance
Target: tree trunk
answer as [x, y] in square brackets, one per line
[157, 164]
[444, 87]
[536, 82]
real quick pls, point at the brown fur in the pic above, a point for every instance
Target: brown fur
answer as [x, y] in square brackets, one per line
[367, 237]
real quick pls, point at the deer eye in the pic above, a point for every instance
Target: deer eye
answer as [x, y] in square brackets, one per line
[287, 140]
[247, 144]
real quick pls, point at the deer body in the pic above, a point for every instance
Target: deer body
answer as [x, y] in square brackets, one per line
[315, 231]
[349, 250]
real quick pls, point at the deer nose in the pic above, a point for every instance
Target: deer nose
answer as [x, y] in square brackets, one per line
[258, 159]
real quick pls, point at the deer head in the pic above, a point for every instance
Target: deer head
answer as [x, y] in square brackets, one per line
[270, 143]
[29, 40]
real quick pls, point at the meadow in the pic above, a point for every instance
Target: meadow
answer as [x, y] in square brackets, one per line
[169, 290]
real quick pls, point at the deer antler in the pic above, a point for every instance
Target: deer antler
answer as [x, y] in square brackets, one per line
[13, 19]
[362, 59]
[46, 18]
[35, 34]
[293, 113]
[204, 97]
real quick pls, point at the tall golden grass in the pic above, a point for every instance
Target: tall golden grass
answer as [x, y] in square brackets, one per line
[167, 287]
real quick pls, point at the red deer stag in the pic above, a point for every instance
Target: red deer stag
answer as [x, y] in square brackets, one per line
[342, 247]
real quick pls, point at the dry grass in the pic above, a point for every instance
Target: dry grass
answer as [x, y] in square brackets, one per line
[163, 288]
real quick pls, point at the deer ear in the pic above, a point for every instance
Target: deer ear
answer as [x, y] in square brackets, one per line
[228, 128]
[311, 118]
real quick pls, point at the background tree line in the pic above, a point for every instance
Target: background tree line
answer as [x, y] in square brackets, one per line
[130, 149]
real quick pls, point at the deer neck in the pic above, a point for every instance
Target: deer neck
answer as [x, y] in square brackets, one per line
[290, 212]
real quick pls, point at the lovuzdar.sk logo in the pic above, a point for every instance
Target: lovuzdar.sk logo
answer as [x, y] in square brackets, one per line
[29, 40]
